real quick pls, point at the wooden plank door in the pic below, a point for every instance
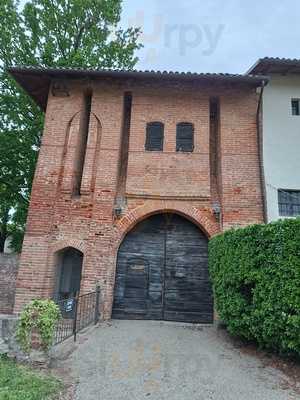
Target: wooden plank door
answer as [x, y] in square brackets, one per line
[162, 272]
[139, 277]
[187, 288]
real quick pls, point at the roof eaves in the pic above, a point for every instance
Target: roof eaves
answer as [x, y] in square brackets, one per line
[273, 61]
[36, 81]
[129, 73]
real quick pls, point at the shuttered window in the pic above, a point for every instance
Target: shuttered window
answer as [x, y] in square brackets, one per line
[289, 203]
[185, 137]
[154, 136]
[295, 107]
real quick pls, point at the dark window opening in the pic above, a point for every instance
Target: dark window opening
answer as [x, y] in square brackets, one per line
[214, 109]
[289, 203]
[82, 142]
[69, 273]
[295, 106]
[185, 137]
[214, 115]
[123, 166]
[154, 136]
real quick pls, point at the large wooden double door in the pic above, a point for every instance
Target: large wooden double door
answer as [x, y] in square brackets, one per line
[162, 272]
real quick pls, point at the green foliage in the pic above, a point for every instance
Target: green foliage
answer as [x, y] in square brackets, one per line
[21, 383]
[39, 315]
[47, 33]
[256, 280]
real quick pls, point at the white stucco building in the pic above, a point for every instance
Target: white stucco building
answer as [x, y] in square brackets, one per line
[281, 136]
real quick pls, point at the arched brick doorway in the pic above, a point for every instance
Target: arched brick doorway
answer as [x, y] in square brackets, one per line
[162, 272]
[68, 273]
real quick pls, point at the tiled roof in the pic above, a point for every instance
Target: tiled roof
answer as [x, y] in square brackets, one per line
[36, 80]
[134, 72]
[269, 65]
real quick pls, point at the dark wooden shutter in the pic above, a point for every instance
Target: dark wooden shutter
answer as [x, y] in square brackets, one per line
[154, 136]
[295, 107]
[185, 137]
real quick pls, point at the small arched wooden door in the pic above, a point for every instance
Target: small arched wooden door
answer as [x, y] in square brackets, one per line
[162, 272]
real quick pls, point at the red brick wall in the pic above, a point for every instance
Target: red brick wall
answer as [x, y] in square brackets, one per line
[241, 188]
[156, 182]
[169, 173]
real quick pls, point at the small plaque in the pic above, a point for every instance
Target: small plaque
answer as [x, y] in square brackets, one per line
[138, 267]
[69, 305]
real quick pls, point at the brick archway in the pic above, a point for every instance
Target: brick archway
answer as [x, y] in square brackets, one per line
[62, 244]
[156, 245]
[202, 217]
[53, 255]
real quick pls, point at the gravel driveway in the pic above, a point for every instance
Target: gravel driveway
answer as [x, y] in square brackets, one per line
[128, 360]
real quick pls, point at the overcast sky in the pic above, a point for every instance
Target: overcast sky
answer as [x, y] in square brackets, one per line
[213, 35]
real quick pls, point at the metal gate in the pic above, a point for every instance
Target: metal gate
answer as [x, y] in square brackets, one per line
[76, 314]
[162, 272]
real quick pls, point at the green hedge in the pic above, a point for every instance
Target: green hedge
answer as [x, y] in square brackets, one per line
[256, 279]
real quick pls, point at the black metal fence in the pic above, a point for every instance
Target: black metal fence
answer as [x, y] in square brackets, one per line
[76, 314]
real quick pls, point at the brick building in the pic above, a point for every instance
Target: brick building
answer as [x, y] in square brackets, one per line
[136, 171]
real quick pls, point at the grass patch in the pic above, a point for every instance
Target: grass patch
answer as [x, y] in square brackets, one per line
[21, 383]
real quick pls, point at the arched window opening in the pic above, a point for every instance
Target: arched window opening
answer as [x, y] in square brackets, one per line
[154, 136]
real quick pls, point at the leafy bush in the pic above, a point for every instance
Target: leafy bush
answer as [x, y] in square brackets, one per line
[256, 280]
[40, 316]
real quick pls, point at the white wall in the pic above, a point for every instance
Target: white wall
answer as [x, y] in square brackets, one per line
[281, 132]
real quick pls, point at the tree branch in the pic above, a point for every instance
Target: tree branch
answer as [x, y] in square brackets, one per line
[13, 189]
[58, 32]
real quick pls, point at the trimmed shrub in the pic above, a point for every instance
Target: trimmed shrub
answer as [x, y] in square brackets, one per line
[38, 316]
[256, 281]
